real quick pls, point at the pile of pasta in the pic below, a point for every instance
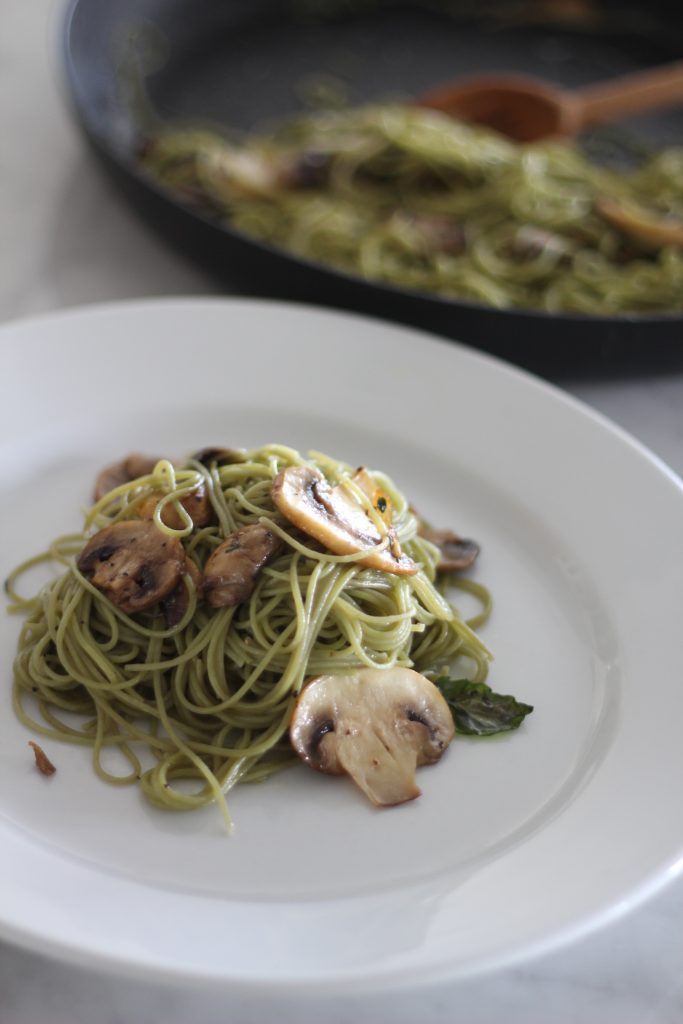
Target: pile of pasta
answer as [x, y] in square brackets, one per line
[410, 197]
[196, 694]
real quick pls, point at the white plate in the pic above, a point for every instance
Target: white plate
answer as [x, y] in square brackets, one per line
[517, 844]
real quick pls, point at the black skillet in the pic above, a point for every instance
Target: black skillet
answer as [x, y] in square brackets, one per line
[244, 63]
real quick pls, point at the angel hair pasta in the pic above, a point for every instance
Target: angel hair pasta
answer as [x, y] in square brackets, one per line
[151, 644]
[411, 197]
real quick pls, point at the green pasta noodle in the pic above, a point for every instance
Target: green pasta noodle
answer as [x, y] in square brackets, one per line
[210, 696]
[411, 197]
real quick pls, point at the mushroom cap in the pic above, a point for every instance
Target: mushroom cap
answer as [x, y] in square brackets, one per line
[130, 468]
[650, 229]
[228, 172]
[133, 563]
[231, 570]
[221, 456]
[530, 242]
[376, 725]
[333, 516]
[197, 505]
[457, 553]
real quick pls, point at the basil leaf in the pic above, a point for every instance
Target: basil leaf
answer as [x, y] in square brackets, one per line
[478, 711]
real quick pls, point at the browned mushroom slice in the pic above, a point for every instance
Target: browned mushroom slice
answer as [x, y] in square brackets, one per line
[221, 456]
[375, 725]
[652, 230]
[197, 505]
[133, 563]
[176, 604]
[130, 468]
[457, 553]
[335, 518]
[231, 571]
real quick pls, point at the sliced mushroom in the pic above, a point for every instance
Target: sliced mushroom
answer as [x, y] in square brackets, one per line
[231, 571]
[197, 505]
[130, 468]
[307, 169]
[228, 172]
[335, 518]
[218, 455]
[375, 725]
[175, 605]
[457, 553]
[651, 230]
[530, 242]
[133, 563]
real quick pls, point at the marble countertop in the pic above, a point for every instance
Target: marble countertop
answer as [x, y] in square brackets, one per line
[67, 238]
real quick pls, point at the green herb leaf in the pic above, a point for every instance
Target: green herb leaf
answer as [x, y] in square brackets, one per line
[478, 711]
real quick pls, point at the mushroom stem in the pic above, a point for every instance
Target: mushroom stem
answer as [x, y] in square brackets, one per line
[380, 766]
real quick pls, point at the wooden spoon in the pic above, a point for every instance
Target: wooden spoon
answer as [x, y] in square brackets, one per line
[528, 109]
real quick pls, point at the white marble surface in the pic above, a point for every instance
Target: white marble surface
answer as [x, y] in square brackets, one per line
[67, 238]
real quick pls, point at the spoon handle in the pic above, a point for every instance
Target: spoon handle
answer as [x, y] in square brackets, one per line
[631, 94]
